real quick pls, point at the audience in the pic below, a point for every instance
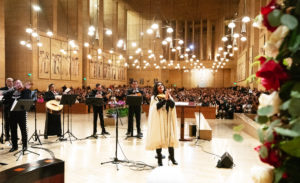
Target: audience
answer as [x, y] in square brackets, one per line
[227, 100]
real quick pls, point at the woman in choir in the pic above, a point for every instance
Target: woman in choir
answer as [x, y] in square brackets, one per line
[162, 123]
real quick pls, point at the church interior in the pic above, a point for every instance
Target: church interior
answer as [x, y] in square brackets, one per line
[185, 91]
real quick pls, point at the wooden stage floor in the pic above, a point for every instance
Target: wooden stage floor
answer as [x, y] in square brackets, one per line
[82, 158]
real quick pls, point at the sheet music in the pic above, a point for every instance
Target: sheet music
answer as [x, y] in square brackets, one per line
[181, 103]
[14, 105]
[1, 97]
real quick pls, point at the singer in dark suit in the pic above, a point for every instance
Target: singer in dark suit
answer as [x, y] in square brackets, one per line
[98, 109]
[6, 108]
[17, 117]
[134, 110]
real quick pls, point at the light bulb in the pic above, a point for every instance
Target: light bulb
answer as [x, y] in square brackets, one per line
[133, 44]
[180, 42]
[229, 46]
[169, 39]
[164, 42]
[191, 47]
[243, 39]
[235, 48]
[89, 56]
[34, 34]
[49, 33]
[36, 8]
[108, 32]
[231, 25]
[224, 39]
[173, 50]
[86, 44]
[39, 44]
[29, 30]
[255, 24]
[92, 29]
[75, 52]
[111, 51]
[246, 19]
[187, 50]
[109, 61]
[130, 57]
[236, 35]
[220, 48]
[91, 33]
[231, 54]
[23, 43]
[154, 26]
[169, 30]
[99, 51]
[178, 48]
[149, 51]
[149, 31]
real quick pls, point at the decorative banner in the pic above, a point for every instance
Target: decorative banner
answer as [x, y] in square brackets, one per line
[44, 58]
[66, 62]
[75, 65]
[56, 59]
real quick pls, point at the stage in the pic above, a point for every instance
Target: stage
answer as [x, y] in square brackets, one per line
[83, 157]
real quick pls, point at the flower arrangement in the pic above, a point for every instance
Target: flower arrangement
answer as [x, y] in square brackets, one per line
[279, 112]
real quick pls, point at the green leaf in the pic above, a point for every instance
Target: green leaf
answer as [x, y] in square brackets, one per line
[238, 128]
[255, 63]
[291, 147]
[296, 126]
[289, 20]
[261, 119]
[285, 105]
[269, 136]
[287, 132]
[237, 137]
[295, 94]
[278, 174]
[265, 111]
[274, 124]
[263, 152]
[285, 90]
[294, 43]
[261, 135]
[294, 107]
[274, 18]
[294, 121]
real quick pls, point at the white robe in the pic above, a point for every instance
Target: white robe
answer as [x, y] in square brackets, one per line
[162, 127]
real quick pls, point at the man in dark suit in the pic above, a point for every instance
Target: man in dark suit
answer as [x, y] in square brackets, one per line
[98, 109]
[17, 117]
[9, 86]
[134, 110]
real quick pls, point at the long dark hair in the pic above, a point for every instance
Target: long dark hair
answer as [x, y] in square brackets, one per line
[50, 86]
[155, 91]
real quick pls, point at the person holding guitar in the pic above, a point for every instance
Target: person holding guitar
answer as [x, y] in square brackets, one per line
[98, 109]
[53, 119]
[134, 110]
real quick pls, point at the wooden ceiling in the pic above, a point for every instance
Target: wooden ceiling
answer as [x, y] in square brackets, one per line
[183, 9]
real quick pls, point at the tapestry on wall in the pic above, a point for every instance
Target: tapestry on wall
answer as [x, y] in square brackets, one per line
[75, 66]
[56, 59]
[65, 62]
[44, 58]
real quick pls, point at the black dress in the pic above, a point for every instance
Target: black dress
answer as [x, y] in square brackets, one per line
[53, 121]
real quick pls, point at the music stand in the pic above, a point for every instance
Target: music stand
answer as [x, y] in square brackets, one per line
[133, 100]
[35, 137]
[68, 100]
[94, 102]
[23, 105]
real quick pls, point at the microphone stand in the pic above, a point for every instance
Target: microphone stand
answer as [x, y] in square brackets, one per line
[116, 160]
[35, 135]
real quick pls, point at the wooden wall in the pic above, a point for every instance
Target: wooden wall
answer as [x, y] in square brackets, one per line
[2, 44]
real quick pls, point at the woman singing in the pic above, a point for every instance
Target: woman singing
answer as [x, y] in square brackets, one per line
[162, 123]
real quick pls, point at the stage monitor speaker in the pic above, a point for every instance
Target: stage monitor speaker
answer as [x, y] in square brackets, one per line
[226, 161]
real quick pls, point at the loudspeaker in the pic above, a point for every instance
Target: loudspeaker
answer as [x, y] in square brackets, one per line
[226, 161]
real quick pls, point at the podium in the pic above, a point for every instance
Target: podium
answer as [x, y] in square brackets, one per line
[68, 100]
[94, 102]
[134, 100]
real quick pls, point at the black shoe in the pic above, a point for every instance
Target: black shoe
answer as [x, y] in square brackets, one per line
[13, 149]
[105, 133]
[159, 161]
[128, 134]
[7, 139]
[24, 148]
[140, 135]
[172, 159]
[45, 137]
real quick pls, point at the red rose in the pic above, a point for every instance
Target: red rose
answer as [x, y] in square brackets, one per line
[265, 12]
[262, 60]
[272, 74]
[273, 158]
[284, 175]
